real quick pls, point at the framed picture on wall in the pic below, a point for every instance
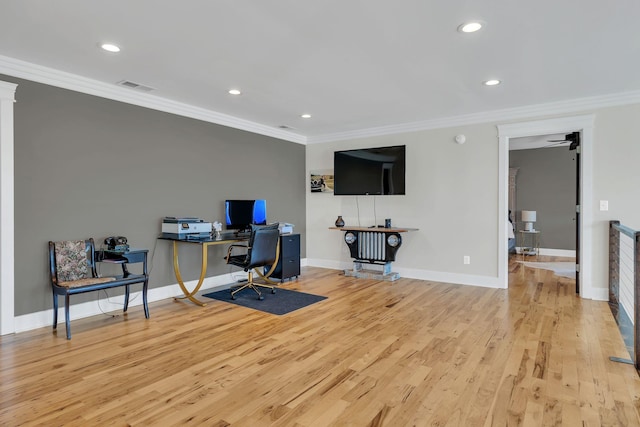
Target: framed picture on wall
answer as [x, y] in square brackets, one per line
[322, 181]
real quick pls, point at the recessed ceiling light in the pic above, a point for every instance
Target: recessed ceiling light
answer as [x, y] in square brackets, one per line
[470, 27]
[110, 47]
[234, 92]
[306, 116]
[492, 82]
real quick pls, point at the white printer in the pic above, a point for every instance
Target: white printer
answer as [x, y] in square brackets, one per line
[185, 227]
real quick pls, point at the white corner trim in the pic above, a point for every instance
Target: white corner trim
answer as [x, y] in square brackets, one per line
[7, 219]
[62, 79]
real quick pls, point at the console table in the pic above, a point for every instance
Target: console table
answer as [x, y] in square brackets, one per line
[204, 243]
[373, 245]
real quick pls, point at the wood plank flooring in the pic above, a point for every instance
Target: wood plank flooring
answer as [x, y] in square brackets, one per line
[408, 353]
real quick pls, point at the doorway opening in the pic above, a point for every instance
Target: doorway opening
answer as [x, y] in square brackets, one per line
[567, 125]
[543, 196]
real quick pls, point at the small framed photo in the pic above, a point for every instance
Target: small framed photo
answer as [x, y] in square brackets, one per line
[322, 181]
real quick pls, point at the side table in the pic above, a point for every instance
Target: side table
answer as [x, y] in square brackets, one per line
[529, 242]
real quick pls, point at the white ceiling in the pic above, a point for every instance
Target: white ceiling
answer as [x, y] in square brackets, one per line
[354, 65]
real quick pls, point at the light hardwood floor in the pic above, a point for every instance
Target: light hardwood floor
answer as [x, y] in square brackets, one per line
[373, 354]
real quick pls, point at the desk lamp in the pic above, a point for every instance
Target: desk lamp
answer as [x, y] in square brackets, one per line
[528, 217]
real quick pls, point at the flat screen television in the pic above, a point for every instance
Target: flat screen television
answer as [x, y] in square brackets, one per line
[240, 214]
[370, 171]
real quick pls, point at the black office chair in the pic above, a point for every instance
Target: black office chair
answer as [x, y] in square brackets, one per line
[262, 250]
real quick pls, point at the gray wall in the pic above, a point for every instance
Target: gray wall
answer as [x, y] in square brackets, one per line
[546, 183]
[92, 167]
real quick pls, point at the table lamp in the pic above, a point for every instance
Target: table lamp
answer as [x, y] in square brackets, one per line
[528, 217]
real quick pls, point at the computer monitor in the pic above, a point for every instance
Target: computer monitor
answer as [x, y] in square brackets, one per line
[240, 214]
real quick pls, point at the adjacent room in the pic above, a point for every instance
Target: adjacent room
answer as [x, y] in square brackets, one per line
[329, 214]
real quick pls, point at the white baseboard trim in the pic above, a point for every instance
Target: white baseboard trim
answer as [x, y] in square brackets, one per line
[111, 304]
[326, 263]
[101, 305]
[558, 252]
[570, 253]
[600, 294]
[413, 273]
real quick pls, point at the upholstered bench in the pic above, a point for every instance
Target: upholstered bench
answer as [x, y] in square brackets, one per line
[73, 271]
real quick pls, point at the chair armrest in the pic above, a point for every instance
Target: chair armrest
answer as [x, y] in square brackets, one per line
[235, 245]
[231, 247]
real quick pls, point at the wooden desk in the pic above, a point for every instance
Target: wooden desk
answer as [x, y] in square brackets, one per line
[373, 245]
[205, 243]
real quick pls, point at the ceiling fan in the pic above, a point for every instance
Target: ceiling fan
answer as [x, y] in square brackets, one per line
[573, 138]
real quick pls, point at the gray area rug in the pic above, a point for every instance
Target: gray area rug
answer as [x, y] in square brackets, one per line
[562, 269]
[282, 302]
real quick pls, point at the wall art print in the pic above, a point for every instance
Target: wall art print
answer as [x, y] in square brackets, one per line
[322, 181]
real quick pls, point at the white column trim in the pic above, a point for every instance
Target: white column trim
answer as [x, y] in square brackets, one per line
[7, 267]
[583, 124]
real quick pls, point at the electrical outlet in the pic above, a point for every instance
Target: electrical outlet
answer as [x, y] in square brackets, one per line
[467, 259]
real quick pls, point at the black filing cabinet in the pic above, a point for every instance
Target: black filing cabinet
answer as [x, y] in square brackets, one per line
[289, 261]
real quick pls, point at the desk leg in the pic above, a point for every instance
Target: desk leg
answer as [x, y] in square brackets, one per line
[176, 268]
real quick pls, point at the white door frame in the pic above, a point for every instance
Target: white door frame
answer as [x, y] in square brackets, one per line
[584, 125]
[7, 267]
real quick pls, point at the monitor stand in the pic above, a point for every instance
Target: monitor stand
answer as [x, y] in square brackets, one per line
[245, 232]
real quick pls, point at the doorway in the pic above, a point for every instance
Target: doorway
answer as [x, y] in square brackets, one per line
[566, 125]
[543, 183]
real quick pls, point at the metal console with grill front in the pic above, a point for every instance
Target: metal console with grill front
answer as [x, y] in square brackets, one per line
[373, 246]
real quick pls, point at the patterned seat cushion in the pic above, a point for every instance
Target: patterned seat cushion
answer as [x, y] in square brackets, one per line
[85, 282]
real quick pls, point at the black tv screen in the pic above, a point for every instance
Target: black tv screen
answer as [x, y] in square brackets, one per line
[370, 171]
[240, 214]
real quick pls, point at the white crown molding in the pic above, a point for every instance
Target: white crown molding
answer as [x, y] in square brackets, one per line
[50, 76]
[548, 109]
[62, 79]
[546, 127]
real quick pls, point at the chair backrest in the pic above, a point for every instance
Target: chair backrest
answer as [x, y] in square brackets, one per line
[263, 245]
[71, 260]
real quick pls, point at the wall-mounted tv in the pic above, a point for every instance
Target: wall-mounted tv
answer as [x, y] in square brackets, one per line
[370, 171]
[240, 214]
